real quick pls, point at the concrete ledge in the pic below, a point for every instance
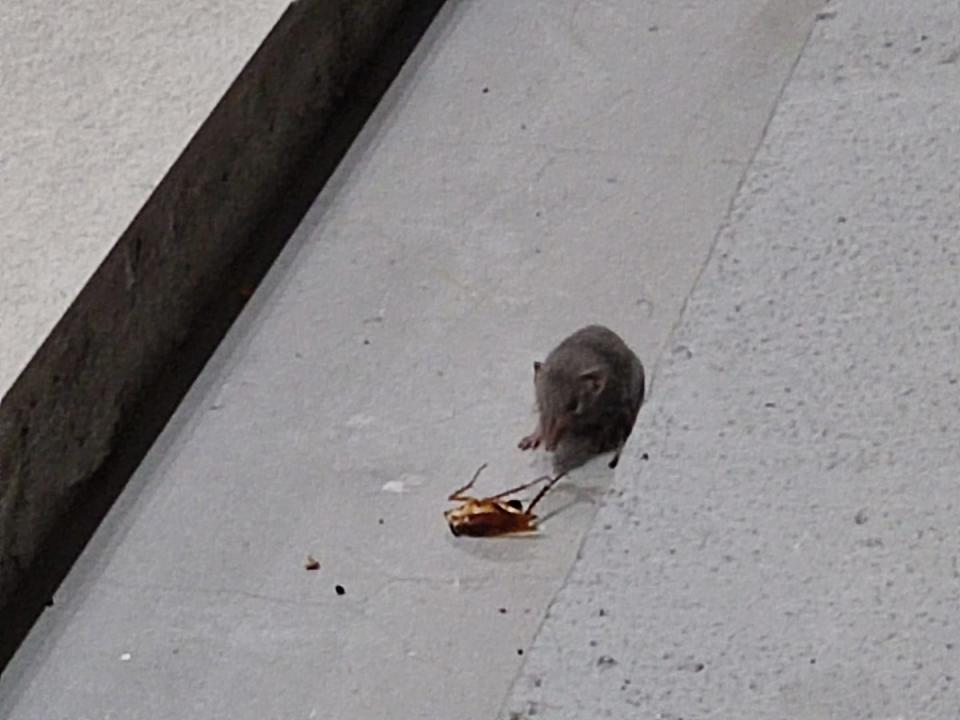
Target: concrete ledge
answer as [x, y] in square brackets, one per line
[60, 418]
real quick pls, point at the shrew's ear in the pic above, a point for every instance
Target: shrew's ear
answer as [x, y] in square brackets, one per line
[594, 380]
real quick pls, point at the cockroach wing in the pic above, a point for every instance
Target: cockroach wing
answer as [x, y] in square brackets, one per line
[489, 519]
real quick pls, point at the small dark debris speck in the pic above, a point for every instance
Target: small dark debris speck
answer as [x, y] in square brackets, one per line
[486, 90]
[861, 517]
[502, 611]
[340, 590]
[813, 661]
[653, 28]
[366, 342]
[602, 613]
[519, 651]
[842, 219]
[605, 661]
[645, 456]
[769, 405]
[380, 521]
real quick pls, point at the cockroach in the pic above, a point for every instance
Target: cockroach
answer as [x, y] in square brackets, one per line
[491, 516]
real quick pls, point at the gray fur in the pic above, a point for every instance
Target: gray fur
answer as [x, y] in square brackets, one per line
[594, 372]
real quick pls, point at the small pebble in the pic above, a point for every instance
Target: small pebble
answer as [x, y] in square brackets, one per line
[340, 590]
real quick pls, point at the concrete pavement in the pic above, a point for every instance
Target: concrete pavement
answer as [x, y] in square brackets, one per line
[790, 549]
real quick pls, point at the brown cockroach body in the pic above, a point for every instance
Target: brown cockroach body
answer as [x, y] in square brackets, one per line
[491, 516]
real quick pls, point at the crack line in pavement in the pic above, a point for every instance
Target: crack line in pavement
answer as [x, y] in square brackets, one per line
[725, 222]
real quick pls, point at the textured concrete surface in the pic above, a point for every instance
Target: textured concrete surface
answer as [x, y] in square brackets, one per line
[538, 166]
[790, 549]
[125, 260]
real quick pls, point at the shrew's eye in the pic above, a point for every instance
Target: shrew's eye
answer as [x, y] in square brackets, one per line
[572, 406]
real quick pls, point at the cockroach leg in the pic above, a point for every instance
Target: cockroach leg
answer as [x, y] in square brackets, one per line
[518, 488]
[544, 491]
[456, 494]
